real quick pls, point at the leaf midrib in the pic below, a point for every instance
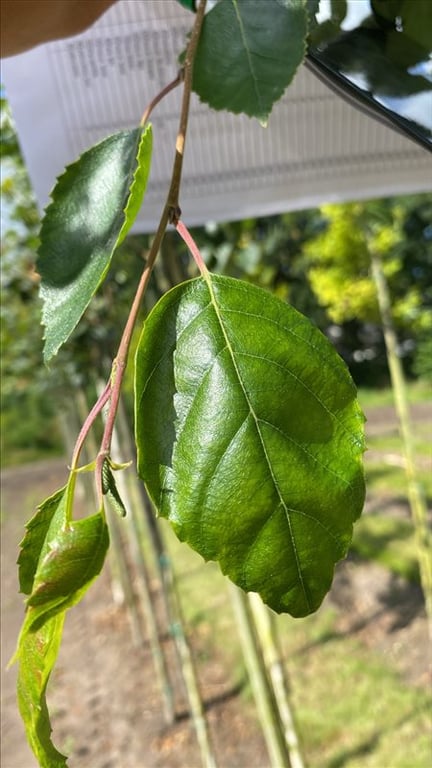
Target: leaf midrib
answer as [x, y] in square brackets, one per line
[256, 421]
[248, 53]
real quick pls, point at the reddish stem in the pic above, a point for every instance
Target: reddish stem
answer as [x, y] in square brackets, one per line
[119, 364]
[191, 244]
[85, 429]
[170, 213]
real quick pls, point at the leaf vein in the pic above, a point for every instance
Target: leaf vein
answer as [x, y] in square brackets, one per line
[305, 386]
[252, 544]
[317, 521]
[201, 384]
[288, 330]
[267, 458]
[215, 471]
[287, 370]
[168, 351]
[248, 52]
[303, 448]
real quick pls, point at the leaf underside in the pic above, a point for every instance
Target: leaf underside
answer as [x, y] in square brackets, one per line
[248, 53]
[250, 438]
[94, 204]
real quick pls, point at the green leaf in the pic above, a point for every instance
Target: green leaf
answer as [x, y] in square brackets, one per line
[74, 557]
[248, 53]
[95, 203]
[59, 559]
[33, 541]
[250, 437]
[37, 655]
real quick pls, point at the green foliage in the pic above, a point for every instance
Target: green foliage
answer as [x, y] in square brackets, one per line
[268, 252]
[423, 361]
[27, 414]
[244, 63]
[33, 542]
[59, 559]
[37, 654]
[388, 541]
[339, 258]
[29, 429]
[249, 432]
[94, 205]
[340, 271]
[417, 21]
[239, 402]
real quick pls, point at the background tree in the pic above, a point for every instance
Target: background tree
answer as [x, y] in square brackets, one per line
[340, 275]
[374, 235]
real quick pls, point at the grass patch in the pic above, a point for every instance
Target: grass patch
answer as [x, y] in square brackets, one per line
[388, 481]
[28, 434]
[352, 709]
[385, 471]
[354, 712]
[392, 443]
[390, 542]
[418, 392]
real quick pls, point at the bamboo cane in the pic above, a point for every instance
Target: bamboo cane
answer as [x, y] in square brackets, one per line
[266, 630]
[175, 617]
[415, 491]
[271, 723]
[172, 604]
[190, 677]
[129, 492]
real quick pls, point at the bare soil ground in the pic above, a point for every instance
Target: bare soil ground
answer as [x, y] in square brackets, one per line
[105, 702]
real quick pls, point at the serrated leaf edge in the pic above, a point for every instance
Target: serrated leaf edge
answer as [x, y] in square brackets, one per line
[129, 213]
[264, 117]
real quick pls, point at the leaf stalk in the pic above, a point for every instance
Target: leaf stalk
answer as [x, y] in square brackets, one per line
[161, 95]
[85, 429]
[191, 244]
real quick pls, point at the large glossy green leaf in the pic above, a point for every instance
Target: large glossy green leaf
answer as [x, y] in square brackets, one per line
[94, 204]
[248, 53]
[59, 559]
[250, 437]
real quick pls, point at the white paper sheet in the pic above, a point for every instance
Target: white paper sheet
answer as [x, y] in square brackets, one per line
[66, 95]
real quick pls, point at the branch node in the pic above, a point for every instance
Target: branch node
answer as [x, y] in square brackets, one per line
[174, 214]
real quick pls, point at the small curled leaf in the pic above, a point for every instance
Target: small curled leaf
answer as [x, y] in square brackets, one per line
[110, 489]
[59, 559]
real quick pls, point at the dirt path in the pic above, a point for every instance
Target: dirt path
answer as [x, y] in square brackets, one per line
[105, 702]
